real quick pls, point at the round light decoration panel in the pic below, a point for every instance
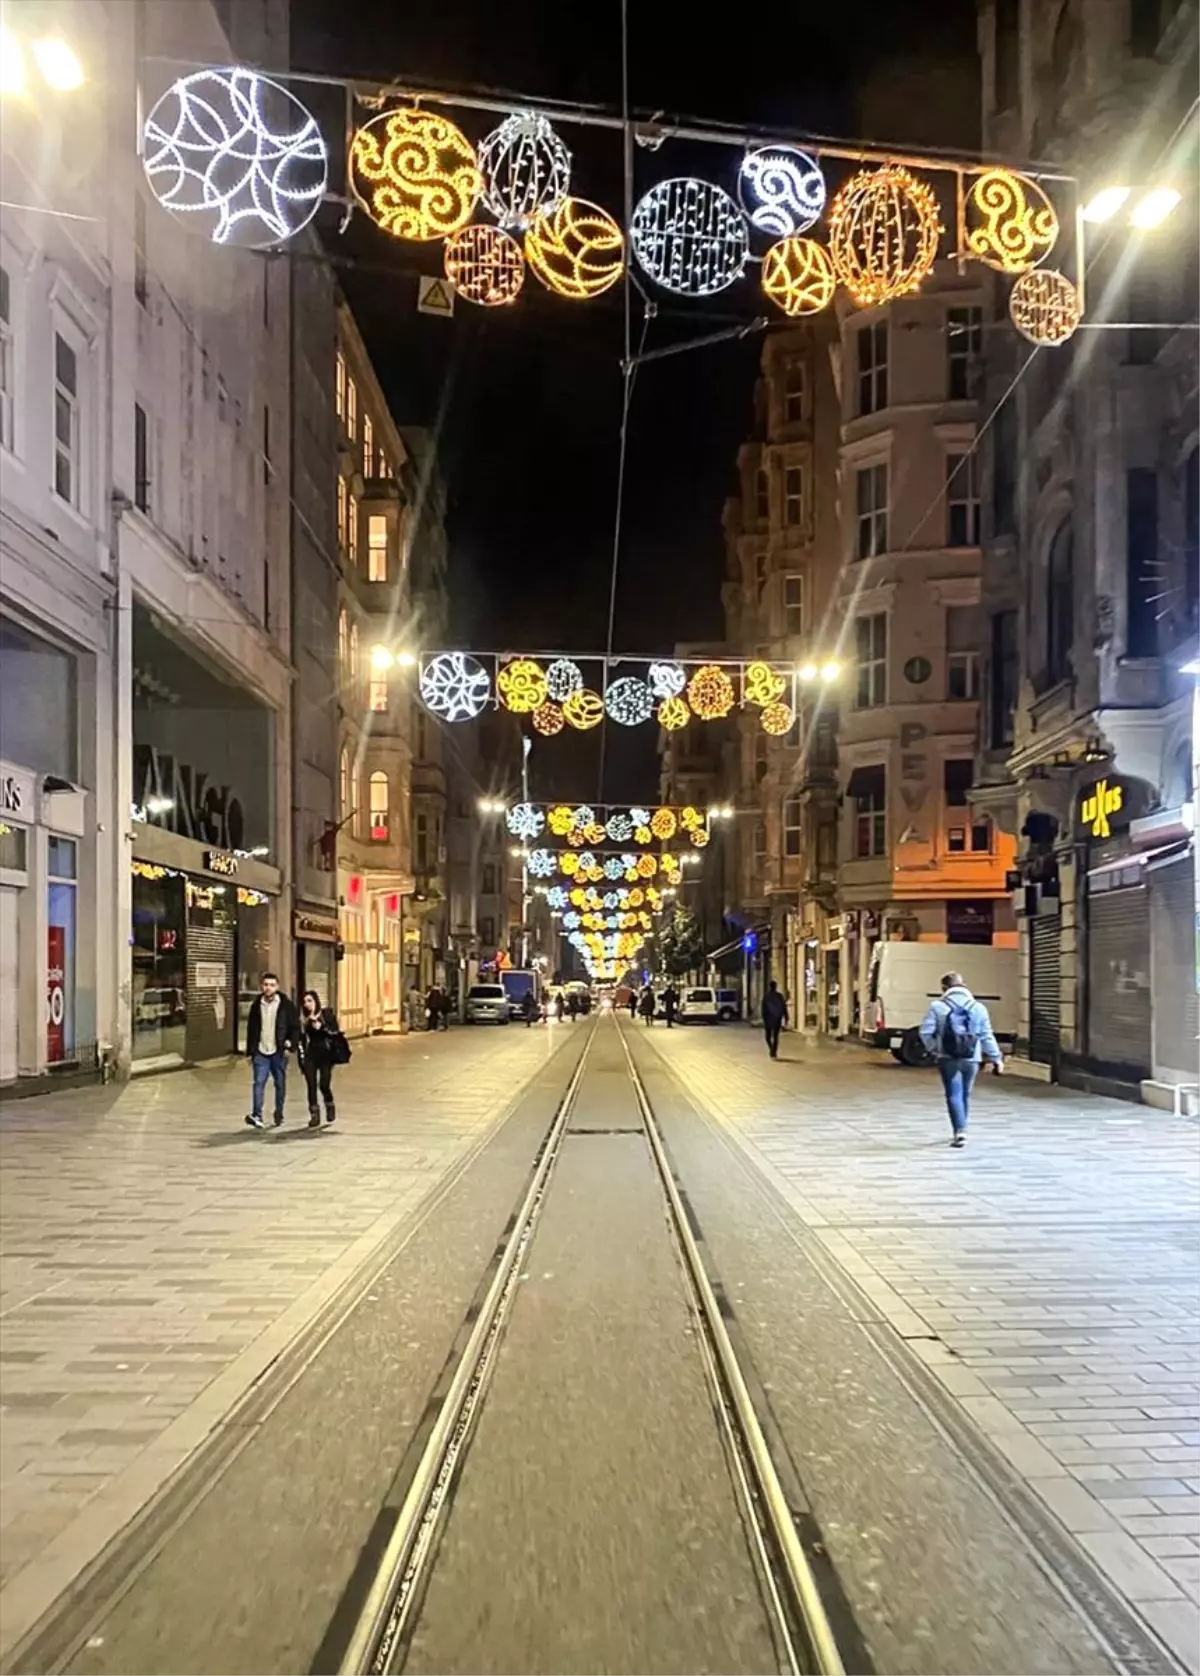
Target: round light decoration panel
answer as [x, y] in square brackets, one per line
[1011, 223]
[415, 174]
[526, 170]
[485, 265]
[578, 252]
[689, 237]
[1044, 306]
[238, 151]
[884, 228]
[798, 275]
[455, 686]
[782, 190]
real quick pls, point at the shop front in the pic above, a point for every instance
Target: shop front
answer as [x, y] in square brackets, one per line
[318, 944]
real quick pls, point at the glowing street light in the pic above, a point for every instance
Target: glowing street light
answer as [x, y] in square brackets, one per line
[1103, 205]
[12, 63]
[1154, 207]
[491, 805]
[59, 63]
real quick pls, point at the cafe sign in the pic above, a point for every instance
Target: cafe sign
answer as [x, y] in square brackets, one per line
[1100, 805]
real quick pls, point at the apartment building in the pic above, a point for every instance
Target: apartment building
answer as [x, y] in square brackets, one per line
[1091, 567]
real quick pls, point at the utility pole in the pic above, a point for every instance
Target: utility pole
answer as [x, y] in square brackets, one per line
[526, 747]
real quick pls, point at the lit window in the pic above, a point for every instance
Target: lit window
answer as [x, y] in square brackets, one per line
[352, 531]
[355, 810]
[340, 386]
[872, 367]
[871, 510]
[794, 390]
[793, 605]
[377, 693]
[792, 825]
[353, 664]
[793, 496]
[377, 548]
[870, 645]
[66, 421]
[343, 513]
[343, 643]
[344, 784]
[962, 501]
[368, 445]
[351, 408]
[378, 792]
[964, 343]
[8, 368]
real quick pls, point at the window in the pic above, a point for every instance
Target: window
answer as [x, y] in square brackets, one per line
[826, 847]
[1002, 679]
[1191, 538]
[795, 386]
[368, 445]
[870, 647]
[489, 878]
[343, 513]
[355, 810]
[66, 421]
[760, 846]
[957, 778]
[422, 735]
[962, 501]
[344, 784]
[385, 465]
[1143, 583]
[872, 367]
[762, 496]
[352, 531]
[377, 791]
[352, 667]
[377, 694]
[487, 931]
[339, 387]
[793, 496]
[421, 843]
[139, 247]
[793, 605]
[1008, 53]
[964, 345]
[351, 408]
[868, 791]
[962, 658]
[792, 825]
[377, 548]
[343, 645]
[760, 756]
[8, 364]
[141, 459]
[1145, 27]
[871, 498]
[1060, 623]
[981, 835]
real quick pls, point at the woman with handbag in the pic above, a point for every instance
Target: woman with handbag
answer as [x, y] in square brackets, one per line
[322, 1046]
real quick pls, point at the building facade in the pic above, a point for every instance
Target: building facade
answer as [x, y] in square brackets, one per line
[1091, 569]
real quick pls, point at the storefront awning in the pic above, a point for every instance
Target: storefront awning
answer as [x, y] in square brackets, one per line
[1141, 860]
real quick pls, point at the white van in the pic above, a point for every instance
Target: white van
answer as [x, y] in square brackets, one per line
[905, 977]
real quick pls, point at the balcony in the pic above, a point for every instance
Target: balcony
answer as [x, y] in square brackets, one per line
[428, 779]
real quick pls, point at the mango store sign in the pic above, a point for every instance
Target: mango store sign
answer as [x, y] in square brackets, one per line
[171, 794]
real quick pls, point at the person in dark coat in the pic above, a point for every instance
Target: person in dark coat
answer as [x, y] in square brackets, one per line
[633, 1003]
[433, 1007]
[573, 1006]
[272, 1030]
[774, 1017]
[670, 1004]
[646, 1005]
[320, 1043]
[529, 1007]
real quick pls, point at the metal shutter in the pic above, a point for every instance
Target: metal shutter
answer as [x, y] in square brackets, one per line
[1045, 993]
[211, 1012]
[1119, 1010]
[1173, 970]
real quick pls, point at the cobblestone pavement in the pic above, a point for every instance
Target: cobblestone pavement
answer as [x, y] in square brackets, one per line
[1048, 1274]
[156, 1255]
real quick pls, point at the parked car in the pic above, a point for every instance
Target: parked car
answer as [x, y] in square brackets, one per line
[487, 1003]
[906, 977]
[698, 1006]
[729, 1005]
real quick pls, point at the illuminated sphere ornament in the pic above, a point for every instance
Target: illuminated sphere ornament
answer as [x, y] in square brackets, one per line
[455, 686]
[663, 824]
[415, 174]
[777, 718]
[673, 714]
[563, 677]
[584, 709]
[548, 719]
[525, 820]
[577, 252]
[239, 151]
[1044, 306]
[594, 832]
[560, 820]
[781, 189]
[629, 701]
[584, 815]
[647, 866]
[884, 228]
[1011, 223]
[689, 237]
[667, 679]
[613, 868]
[526, 170]
[542, 864]
[710, 692]
[568, 864]
[557, 897]
[619, 828]
[700, 836]
[485, 265]
[798, 275]
[522, 686]
[762, 684]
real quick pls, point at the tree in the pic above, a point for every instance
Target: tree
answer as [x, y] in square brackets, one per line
[680, 946]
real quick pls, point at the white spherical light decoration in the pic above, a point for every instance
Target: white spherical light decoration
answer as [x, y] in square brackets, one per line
[526, 170]
[689, 237]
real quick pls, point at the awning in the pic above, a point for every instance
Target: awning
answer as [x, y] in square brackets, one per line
[867, 782]
[1140, 860]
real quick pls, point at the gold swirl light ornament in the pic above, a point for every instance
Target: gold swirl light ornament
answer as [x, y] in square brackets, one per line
[884, 227]
[762, 684]
[577, 251]
[415, 174]
[798, 275]
[485, 265]
[1044, 306]
[559, 819]
[583, 708]
[1011, 223]
[522, 686]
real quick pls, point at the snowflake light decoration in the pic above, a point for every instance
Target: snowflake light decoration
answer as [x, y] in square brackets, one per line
[455, 686]
[577, 252]
[639, 816]
[415, 174]
[710, 692]
[1044, 306]
[689, 237]
[584, 815]
[1011, 223]
[781, 189]
[613, 868]
[548, 719]
[526, 170]
[629, 701]
[525, 820]
[557, 896]
[586, 861]
[240, 150]
[798, 274]
[522, 686]
[619, 828]
[563, 677]
[667, 679]
[884, 227]
[572, 920]
[673, 714]
[612, 899]
[542, 864]
[485, 265]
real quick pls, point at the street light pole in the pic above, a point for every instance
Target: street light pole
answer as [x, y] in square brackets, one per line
[526, 747]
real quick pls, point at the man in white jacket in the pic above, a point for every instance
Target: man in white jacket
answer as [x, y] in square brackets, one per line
[957, 1032]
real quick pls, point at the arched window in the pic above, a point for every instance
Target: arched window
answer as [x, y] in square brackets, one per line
[378, 793]
[344, 784]
[1060, 614]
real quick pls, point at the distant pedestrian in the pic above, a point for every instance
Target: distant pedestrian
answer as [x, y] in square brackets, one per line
[433, 1006]
[272, 1030]
[573, 1006]
[559, 1007]
[670, 1003]
[646, 1005]
[322, 1046]
[957, 1031]
[774, 1017]
[445, 1008]
[529, 1007]
[633, 1003]
[416, 1008]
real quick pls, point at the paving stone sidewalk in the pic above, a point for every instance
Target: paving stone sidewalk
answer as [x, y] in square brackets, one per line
[156, 1255]
[1049, 1274]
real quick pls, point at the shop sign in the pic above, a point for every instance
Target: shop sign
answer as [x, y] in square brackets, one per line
[314, 928]
[182, 799]
[1099, 805]
[220, 861]
[56, 993]
[16, 794]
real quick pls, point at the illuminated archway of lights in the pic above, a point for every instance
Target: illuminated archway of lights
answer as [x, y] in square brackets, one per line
[585, 825]
[782, 190]
[586, 868]
[239, 149]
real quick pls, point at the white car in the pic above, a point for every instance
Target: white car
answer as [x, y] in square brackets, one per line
[487, 1003]
[698, 1005]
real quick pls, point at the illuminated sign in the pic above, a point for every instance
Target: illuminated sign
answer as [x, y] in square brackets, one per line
[1098, 804]
[220, 861]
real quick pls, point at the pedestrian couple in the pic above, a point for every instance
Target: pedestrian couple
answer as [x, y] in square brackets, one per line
[273, 1030]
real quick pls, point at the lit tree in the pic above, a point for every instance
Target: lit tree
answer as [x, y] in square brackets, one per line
[680, 944]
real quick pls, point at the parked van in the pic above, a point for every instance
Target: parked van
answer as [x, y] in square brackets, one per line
[905, 977]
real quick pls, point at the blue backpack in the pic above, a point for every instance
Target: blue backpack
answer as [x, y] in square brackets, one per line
[959, 1041]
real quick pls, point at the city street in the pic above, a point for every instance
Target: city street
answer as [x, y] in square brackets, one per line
[976, 1371]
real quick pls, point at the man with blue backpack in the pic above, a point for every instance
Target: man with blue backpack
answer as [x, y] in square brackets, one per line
[957, 1033]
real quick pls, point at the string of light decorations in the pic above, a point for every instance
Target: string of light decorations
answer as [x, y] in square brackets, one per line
[240, 154]
[582, 824]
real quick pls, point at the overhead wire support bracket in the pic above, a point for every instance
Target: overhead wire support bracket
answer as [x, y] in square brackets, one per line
[758, 324]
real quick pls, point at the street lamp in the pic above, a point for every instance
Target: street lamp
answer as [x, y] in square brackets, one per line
[825, 672]
[1151, 208]
[57, 61]
[382, 657]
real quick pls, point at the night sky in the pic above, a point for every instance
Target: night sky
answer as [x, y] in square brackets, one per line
[526, 401]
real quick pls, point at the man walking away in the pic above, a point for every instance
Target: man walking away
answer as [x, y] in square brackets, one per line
[633, 1003]
[529, 1008]
[271, 1030]
[774, 1017]
[957, 1031]
[646, 1005]
[670, 1002]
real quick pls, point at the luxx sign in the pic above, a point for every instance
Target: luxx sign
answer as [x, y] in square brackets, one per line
[1099, 804]
[182, 799]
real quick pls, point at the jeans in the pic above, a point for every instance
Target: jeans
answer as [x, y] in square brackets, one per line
[958, 1079]
[273, 1065]
[771, 1032]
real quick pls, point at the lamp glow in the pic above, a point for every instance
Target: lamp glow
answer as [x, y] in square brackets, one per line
[1103, 205]
[381, 658]
[1154, 207]
[830, 671]
[807, 672]
[12, 63]
[58, 63]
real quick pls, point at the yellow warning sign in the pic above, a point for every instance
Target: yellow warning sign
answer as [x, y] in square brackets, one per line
[435, 296]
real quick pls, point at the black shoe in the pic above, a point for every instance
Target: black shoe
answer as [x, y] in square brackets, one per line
[278, 1120]
[330, 1114]
[314, 1120]
[253, 1119]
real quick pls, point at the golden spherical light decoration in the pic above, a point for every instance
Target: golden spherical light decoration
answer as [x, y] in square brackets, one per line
[884, 227]
[415, 174]
[560, 820]
[673, 713]
[548, 719]
[485, 265]
[647, 866]
[568, 864]
[798, 275]
[777, 719]
[690, 818]
[642, 834]
[583, 708]
[1011, 223]
[522, 686]
[1044, 306]
[663, 823]
[578, 251]
[762, 684]
[710, 692]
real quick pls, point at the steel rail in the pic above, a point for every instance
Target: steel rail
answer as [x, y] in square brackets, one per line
[772, 1499]
[389, 1601]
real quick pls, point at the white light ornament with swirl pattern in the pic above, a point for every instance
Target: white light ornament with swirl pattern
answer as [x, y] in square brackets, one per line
[781, 189]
